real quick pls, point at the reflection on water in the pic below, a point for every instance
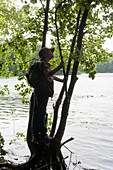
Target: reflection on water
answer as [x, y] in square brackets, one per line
[90, 122]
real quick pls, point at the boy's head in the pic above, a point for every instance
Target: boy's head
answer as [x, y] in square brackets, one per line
[46, 53]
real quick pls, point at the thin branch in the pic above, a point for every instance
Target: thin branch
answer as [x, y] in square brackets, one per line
[45, 23]
[56, 108]
[79, 45]
[70, 159]
[73, 41]
[60, 50]
[70, 139]
[59, 100]
[42, 5]
[66, 103]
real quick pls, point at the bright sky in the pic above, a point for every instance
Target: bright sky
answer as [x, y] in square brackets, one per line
[109, 44]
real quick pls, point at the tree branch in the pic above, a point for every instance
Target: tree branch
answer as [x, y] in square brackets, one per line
[66, 103]
[56, 108]
[59, 100]
[45, 23]
[70, 139]
[60, 50]
[42, 5]
[73, 41]
[79, 45]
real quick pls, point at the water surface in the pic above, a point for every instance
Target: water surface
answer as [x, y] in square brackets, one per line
[90, 122]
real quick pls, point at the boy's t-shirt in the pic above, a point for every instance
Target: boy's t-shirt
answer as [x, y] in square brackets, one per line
[46, 85]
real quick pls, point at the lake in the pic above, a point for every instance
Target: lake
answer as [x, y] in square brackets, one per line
[90, 122]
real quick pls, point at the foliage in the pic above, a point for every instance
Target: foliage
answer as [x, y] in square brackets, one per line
[18, 29]
[22, 29]
[4, 89]
[49, 122]
[23, 89]
[18, 136]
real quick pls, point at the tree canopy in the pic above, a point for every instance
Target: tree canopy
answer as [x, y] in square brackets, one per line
[22, 29]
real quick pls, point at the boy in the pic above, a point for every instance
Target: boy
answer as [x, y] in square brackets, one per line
[43, 91]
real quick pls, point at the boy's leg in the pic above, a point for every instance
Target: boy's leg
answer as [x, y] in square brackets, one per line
[42, 115]
[39, 123]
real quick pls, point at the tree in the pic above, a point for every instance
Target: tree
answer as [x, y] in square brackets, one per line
[78, 29]
[106, 67]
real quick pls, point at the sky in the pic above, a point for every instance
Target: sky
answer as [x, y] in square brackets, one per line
[109, 44]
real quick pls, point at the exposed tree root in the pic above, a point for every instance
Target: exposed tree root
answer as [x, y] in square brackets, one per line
[43, 160]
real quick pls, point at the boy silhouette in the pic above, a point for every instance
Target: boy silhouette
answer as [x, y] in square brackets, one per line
[43, 91]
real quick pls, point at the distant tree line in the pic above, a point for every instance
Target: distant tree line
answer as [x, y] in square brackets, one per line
[106, 67]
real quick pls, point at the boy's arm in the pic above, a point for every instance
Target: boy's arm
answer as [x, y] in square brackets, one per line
[58, 79]
[49, 73]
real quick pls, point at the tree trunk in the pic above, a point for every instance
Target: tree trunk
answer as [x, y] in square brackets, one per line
[67, 99]
[45, 23]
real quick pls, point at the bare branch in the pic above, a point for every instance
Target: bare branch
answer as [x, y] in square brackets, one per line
[42, 5]
[70, 139]
[45, 23]
[60, 50]
[73, 41]
[59, 100]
